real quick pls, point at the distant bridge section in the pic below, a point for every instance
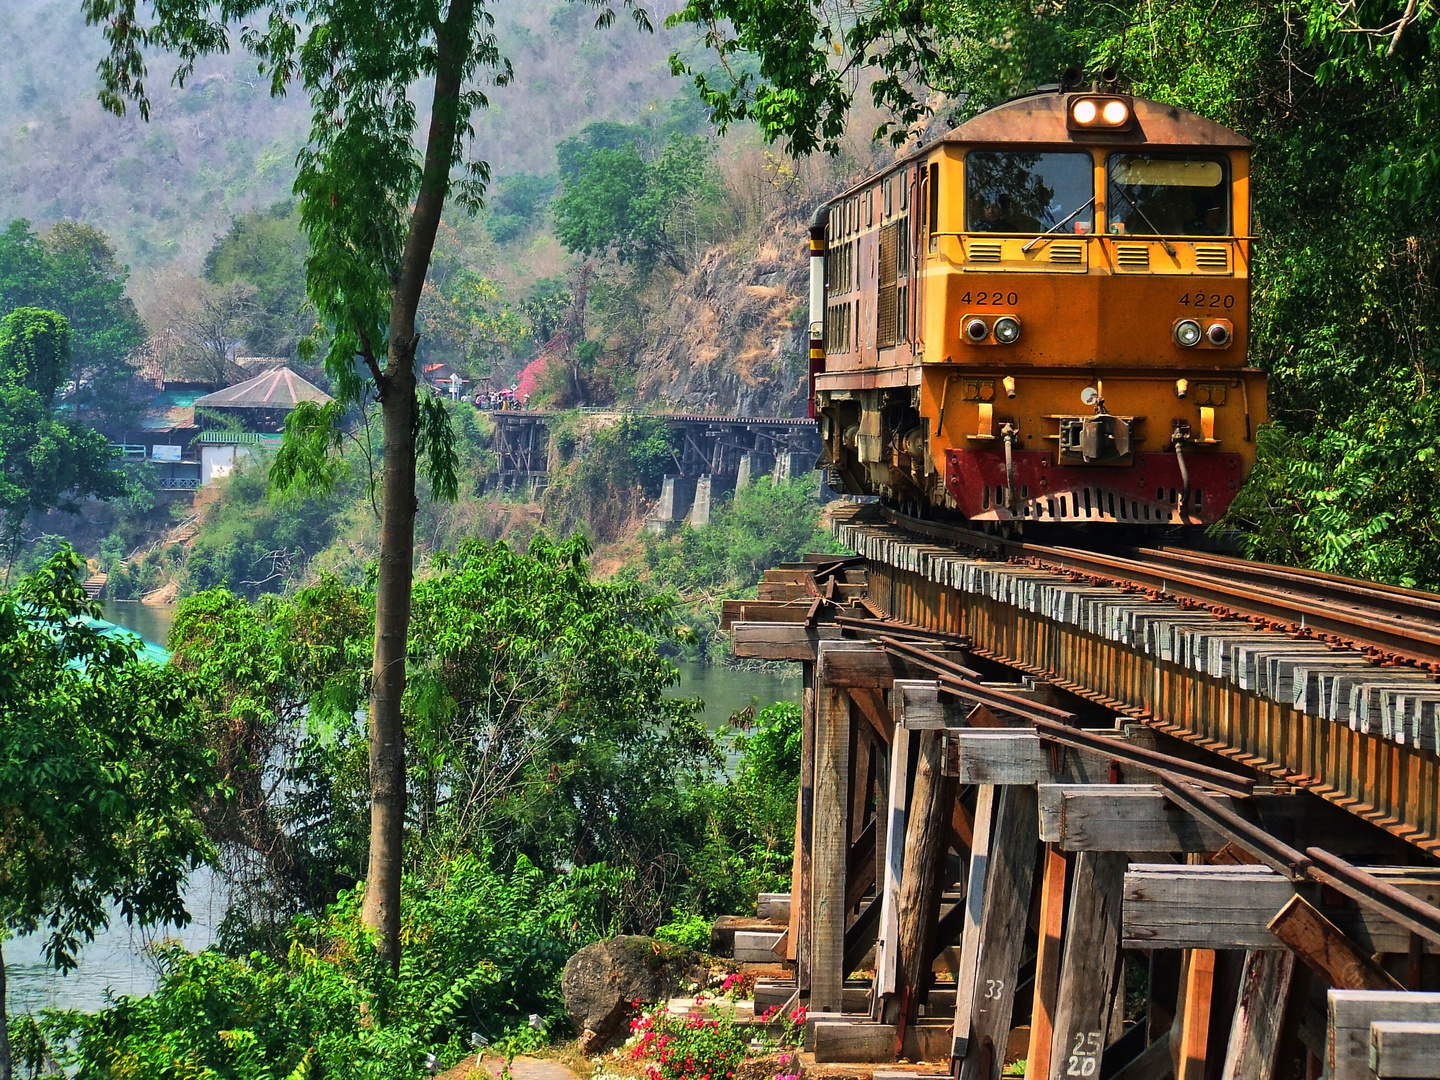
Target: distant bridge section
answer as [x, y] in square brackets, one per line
[712, 456]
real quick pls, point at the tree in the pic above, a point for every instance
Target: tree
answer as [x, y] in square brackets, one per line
[536, 711]
[202, 324]
[265, 250]
[370, 206]
[72, 269]
[616, 202]
[98, 772]
[45, 463]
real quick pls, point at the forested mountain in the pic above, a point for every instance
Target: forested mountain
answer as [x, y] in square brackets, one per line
[221, 145]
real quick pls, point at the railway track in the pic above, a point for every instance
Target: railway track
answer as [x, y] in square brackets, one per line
[1393, 624]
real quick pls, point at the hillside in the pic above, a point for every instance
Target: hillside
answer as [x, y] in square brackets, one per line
[164, 190]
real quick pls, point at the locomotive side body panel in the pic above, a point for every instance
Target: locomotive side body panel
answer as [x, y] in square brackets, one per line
[1026, 321]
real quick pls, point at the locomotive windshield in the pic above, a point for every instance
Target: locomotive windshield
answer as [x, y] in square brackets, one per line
[1167, 195]
[1013, 192]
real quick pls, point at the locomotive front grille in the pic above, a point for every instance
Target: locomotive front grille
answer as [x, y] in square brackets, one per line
[1132, 256]
[984, 250]
[1212, 257]
[1067, 251]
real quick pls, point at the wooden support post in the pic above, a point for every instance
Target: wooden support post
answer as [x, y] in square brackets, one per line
[925, 846]
[871, 703]
[887, 952]
[860, 781]
[974, 909]
[1255, 1033]
[831, 844]
[1087, 970]
[1327, 951]
[881, 783]
[1047, 964]
[802, 883]
[1002, 932]
[1195, 1018]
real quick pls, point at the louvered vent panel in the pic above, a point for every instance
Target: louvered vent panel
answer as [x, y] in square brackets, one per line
[1132, 256]
[1067, 252]
[1212, 257]
[984, 251]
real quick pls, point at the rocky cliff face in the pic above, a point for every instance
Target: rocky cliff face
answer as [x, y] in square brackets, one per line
[733, 339]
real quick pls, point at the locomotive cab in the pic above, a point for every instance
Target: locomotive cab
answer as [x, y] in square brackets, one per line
[1043, 317]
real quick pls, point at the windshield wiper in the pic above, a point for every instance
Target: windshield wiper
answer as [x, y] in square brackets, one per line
[1060, 224]
[1169, 247]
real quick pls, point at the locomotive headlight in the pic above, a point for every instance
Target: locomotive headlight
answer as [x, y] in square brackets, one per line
[1084, 111]
[1187, 333]
[977, 329]
[1115, 113]
[1007, 330]
[1219, 334]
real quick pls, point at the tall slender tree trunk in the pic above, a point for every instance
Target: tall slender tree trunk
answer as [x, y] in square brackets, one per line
[396, 391]
[7, 1070]
[381, 910]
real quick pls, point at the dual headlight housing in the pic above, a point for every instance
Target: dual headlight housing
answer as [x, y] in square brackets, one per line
[1189, 333]
[1005, 330]
[1099, 112]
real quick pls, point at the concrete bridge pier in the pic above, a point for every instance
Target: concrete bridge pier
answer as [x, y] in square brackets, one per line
[677, 496]
[708, 490]
[753, 464]
[792, 463]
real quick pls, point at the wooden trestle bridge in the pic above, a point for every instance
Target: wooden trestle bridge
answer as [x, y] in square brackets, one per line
[1160, 815]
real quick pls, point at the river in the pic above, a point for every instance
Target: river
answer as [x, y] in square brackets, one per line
[116, 962]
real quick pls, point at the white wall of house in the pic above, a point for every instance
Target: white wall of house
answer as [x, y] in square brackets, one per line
[218, 460]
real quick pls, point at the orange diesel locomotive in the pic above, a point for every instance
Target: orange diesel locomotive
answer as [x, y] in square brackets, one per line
[1042, 317]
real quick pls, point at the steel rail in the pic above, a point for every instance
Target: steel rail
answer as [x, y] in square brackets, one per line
[1376, 594]
[967, 685]
[1348, 619]
[1316, 864]
[1400, 622]
[1149, 760]
[900, 629]
[1414, 914]
[1268, 849]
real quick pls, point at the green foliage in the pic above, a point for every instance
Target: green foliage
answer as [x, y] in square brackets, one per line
[468, 323]
[518, 205]
[750, 839]
[44, 462]
[688, 929]
[763, 525]
[253, 541]
[536, 712]
[618, 203]
[539, 703]
[98, 771]
[266, 250]
[72, 269]
[609, 465]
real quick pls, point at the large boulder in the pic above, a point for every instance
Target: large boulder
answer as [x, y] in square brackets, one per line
[603, 981]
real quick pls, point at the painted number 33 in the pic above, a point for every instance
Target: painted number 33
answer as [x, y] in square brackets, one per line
[1084, 1055]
